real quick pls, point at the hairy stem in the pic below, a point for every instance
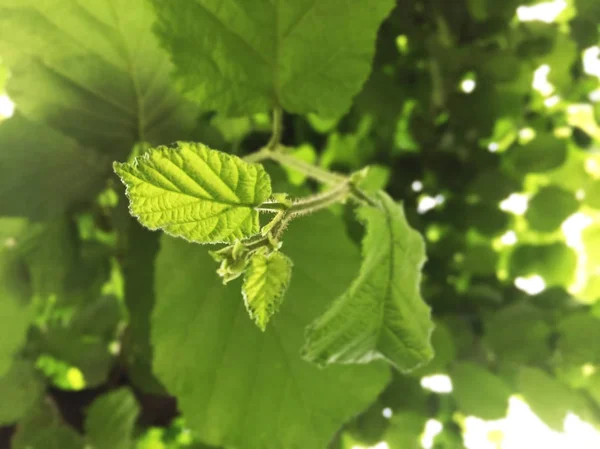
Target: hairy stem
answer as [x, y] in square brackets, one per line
[310, 170]
[323, 200]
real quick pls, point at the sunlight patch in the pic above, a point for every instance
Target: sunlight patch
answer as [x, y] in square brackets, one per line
[7, 107]
[432, 429]
[516, 203]
[544, 12]
[438, 383]
[591, 61]
[427, 203]
[522, 428]
[572, 228]
[531, 285]
[540, 80]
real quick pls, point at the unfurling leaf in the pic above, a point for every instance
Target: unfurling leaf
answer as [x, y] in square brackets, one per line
[382, 314]
[265, 282]
[194, 192]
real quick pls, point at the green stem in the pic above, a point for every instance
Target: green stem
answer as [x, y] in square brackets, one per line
[272, 207]
[258, 156]
[277, 129]
[323, 200]
[309, 170]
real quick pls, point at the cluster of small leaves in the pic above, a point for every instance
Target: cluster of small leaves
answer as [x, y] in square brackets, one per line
[104, 324]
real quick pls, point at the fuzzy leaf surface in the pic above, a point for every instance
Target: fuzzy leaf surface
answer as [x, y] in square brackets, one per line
[266, 280]
[382, 314]
[194, 192]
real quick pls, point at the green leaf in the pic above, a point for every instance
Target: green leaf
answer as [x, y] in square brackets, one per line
[591, 241]
[542, 154]
[50, 250]
[111, 420]
[405, 430]
[20, 388]
[138, 272]
[478, 392]
[266, 280]
[547, 397]
[480, 259]
[16, 312]
[240, 387]
[577, 331]
[550, 207]
[43, 428]
[44, 172]
[555, 262]
[193, 192]
[444, 349]
[382, 314]
[518, 333]
[306, 56]
[87, 353]
[592, 194]
[98, 75]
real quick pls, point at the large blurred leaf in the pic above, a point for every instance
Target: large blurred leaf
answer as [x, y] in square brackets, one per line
[111, 419]
[92, 70]
[519, 333]
[550, 207]
[405, 431]
[478, 392]
[20, 388]
[138, 270]
[232, 381]
[43, 428]
[542, 154]
[555, 262]
[241, 59]
[547, 397]
[44, 172]
[85, 342]
[578, 332]
[16, 312]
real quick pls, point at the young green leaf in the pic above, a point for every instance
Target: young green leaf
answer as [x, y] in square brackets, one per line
[111, 420]
[237, 386]
[241, 59]
[382, 314]
[265, 282]
[194, 192]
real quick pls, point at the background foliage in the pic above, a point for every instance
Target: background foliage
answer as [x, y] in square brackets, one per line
[485, 125]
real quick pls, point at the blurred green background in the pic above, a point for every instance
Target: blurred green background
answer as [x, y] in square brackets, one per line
[481, 115]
